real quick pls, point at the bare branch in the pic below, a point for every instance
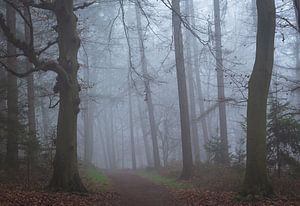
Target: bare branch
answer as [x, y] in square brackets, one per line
[84, 5]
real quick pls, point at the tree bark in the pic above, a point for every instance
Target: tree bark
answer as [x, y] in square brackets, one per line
[144, 133]
[187, 158]
[191, 92]
[30, 85]
[256, 180]
[148, 94]
[88, 123]
[132, 142]
[12, 96]
[198, 79]
[220, 82]
[65, 174]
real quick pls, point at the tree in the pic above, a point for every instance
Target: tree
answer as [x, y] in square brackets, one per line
[12, 95]
[187, 158]
[283, 139]
[132, 142]
[256, 178]
[65, 174]
[148, 94]
[220, 81]
[191, 92]
[30, 85]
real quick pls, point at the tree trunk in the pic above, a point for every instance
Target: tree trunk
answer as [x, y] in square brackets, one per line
[191, 92]
[256, 180]
[198, 79]
[30, 86]
[187, 158]
[12, 96]
[112, 137]
[65, 174]
[220, 82]
[88, 123]
[144, 133]
[148, 94]
[132, 143]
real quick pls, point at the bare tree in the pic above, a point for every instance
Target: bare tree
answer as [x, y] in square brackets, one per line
[220, 81]
[187, 158]
[256, 180]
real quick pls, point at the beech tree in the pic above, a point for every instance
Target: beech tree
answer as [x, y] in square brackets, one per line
[256, 178]
[187, 158]
[12, 94]
[220, 82]
[65, 174]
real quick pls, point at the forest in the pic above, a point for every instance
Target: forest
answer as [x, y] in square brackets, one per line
[150, 102]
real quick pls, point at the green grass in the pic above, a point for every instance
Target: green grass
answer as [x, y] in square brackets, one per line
[170, 182]
[96, 180]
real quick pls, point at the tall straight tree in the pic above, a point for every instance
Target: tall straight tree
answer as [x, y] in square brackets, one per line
[220, 82]
[256, 180]
[191, 91]
[88, 120]
[132, 142]
[196, 70]
[12, 95]
[30, 84]
[144, 133]
[148, 94]
[187, 158]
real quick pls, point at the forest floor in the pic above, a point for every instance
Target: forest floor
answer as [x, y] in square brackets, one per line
[149, 188]
[135, 190]
[209, 187]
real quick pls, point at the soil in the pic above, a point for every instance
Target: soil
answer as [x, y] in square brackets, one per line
[138, 191]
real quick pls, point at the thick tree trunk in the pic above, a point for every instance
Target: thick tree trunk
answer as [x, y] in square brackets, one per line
[220, 82]
[65, 174]
[12, 96]
[148, 97]
[256, 180]
[132, 142]
[191, 92]
[187, 158]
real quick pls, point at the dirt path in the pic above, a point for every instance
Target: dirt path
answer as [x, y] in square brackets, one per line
[137, 191]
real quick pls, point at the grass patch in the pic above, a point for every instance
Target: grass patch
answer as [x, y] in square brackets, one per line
[167, 181]
[95, 180]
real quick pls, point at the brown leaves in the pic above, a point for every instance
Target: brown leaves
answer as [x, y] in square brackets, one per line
[196, 197]
[15, 197]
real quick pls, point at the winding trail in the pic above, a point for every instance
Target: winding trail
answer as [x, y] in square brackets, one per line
[138, 191]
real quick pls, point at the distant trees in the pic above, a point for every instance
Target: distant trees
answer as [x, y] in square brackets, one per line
[220, 82]
[256, 178]
[148, 95]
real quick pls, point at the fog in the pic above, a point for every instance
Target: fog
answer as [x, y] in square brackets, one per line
[171, 87]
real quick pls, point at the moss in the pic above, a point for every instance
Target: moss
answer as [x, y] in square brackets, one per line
[95, 180]
[171, 182]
